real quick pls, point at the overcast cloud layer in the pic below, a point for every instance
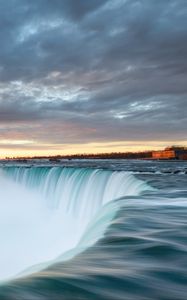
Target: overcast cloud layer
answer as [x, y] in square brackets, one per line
[78, 71]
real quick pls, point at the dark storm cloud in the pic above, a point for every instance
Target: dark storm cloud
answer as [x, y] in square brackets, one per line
[84, 71]
[75, 10]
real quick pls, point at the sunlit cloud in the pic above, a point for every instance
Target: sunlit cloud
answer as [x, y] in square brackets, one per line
[94, 77]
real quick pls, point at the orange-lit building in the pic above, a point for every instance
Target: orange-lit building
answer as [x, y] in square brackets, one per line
[173, 152]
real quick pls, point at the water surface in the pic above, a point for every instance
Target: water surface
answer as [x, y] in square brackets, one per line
[94, 230]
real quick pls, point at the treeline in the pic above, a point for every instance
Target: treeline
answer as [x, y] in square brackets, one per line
[113, 155]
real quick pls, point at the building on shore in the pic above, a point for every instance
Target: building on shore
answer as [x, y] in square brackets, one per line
[174, 152]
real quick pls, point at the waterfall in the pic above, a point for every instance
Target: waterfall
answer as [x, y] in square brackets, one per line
[47, 211]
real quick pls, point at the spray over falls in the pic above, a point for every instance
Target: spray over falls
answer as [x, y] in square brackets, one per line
[47, 211]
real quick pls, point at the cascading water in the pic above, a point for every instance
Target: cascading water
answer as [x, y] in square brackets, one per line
[46, 211]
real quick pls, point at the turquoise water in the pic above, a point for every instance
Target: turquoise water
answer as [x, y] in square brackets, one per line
[116, 230]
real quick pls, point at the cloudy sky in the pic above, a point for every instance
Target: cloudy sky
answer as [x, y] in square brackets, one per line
[92, 76]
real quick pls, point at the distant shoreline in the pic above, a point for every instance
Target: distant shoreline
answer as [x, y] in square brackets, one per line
[169, 153]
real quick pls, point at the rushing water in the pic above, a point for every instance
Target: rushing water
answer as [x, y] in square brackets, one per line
[93, 230]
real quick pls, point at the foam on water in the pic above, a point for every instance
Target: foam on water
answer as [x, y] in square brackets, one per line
[46, 211]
